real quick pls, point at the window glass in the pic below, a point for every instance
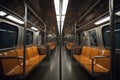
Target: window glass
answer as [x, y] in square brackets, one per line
[93, 38]
[106, 36]
[8, 35]
[29, 37]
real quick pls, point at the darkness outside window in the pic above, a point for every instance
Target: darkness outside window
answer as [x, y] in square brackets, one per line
[106, 36]
[8, 36]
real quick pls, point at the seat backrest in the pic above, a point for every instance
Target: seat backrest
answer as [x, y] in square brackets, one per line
[30, 52]
[9, 64]
[77, 50]
[83, 50]
[42, 50]
[86, 51]
[52, 45]
[105, 62]
[94, 52]
[35, 50]
[20, 53]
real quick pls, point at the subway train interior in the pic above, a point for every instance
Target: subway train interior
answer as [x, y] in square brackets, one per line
[59, 39]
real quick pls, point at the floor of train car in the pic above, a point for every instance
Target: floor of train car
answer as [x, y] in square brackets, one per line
[48, 69]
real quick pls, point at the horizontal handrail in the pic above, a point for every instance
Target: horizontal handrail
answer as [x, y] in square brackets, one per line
[94, 57]
[11, 57]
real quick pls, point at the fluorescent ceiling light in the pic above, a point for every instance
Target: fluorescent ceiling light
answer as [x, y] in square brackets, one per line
[34, 28]
[117, 13]
[64, 7]
[57, 5]
[102, 20]
[62, 26]
[14, 19]
[63, 18]
[49, 35]
[2, 13]
[58, 23]
[59, 26]
[58, 18]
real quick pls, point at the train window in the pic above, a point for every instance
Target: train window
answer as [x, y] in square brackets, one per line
[93, 38]
[29, 37]
[8, 36]
[106, 36]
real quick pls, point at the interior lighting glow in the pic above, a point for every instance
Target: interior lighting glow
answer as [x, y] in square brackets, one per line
[63, 18]
[58, 23]
[58, 18]
[14, 19]
[57, 5]
[117, 13]
[64, 6]
[62, 23]
[102, 20]
[33, 28]
[2, 13]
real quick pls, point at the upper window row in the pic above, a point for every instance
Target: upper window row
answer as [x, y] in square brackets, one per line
[106, 36]
[8, 35]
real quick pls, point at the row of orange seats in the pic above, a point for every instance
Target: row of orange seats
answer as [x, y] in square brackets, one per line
[94, 60]
[11, 62]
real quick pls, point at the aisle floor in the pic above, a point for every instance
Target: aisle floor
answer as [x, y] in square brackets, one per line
[48, 69]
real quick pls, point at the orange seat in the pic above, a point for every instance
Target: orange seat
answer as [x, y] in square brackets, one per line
[11, 66]
[36, 54]
[100, 64]
[11, 62]
[42, 50]
[105, 62]
[33, 56]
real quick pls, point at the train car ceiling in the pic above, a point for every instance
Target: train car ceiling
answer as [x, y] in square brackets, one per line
[83, 13]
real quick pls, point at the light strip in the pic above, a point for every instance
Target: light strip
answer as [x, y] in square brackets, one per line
[102, 20]
[2, 13]
[34, 28]
[117, 13]
[58, 18]
[58, 23]
[64, 7]
[63, 18]
[14, 19]
[62, 23]
[57, 4]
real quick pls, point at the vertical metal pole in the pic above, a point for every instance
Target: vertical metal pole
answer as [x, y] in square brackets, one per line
[45, 33]
[60, 54]
[75, 33]
[72, 34]
[112, 38]
[60, 40]
[24, 40]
